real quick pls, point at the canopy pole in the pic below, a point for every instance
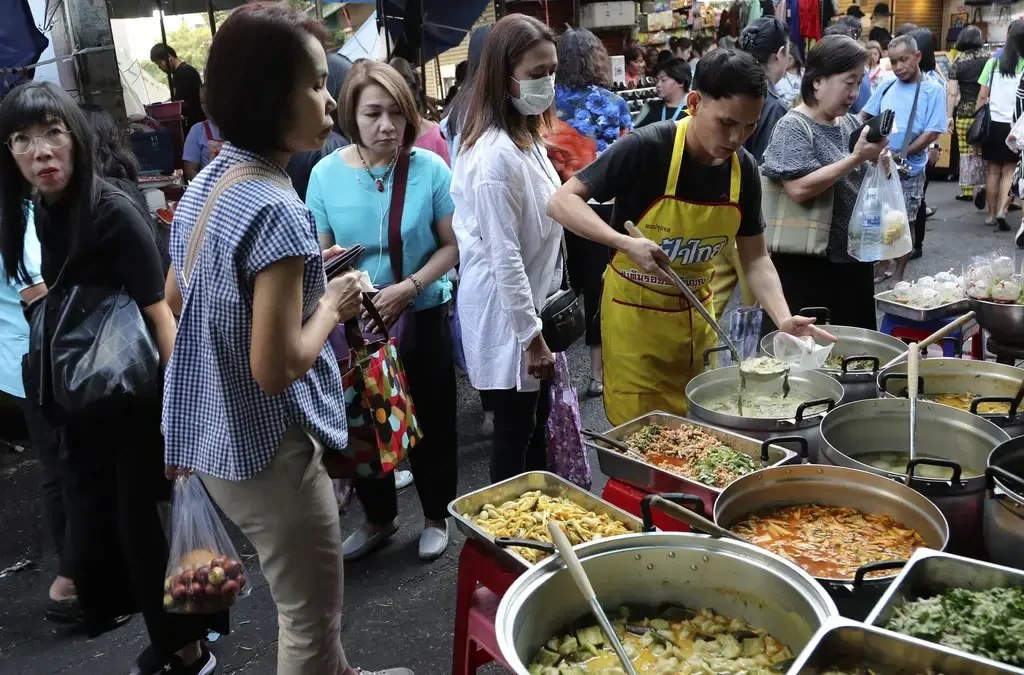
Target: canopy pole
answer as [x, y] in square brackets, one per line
[163, 39]
[209, 15]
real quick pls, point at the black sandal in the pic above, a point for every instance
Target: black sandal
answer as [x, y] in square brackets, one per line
[64, 611]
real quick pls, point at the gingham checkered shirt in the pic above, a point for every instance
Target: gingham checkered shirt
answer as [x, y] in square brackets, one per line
[216, 419]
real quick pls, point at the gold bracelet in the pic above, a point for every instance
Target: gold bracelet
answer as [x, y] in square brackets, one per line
[416, 283]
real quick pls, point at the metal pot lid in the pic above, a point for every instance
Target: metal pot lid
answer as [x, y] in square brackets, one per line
[1009, 456]
[853, 342]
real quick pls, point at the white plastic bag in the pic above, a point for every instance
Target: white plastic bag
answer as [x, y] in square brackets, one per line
[801, 353]
[879, 228]
[1017, 135]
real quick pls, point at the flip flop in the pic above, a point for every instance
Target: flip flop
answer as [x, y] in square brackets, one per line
[884, 277]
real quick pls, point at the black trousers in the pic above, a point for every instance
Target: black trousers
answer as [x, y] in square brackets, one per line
[520, 431]
[586, 264]
[430, 370]
[921, 218]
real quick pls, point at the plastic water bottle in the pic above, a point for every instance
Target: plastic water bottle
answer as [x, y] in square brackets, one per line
[871, 227]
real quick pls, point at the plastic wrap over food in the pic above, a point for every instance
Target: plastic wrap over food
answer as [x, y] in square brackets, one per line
[901, 292]
[1006, 291]
[801, 353]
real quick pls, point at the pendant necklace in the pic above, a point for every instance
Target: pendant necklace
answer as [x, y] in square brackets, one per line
[379, 181]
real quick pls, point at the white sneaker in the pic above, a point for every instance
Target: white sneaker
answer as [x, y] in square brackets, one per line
[359, 543]
[403, 479]
[1020, 235]
[433, 542]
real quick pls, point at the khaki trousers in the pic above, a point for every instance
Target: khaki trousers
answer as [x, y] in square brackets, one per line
[289, 513]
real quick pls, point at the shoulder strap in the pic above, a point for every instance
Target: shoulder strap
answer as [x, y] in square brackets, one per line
[236, 174]
[992, 74]
[395, 215]
[908, 136]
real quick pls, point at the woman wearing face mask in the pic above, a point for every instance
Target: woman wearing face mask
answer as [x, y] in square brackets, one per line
[508, 246]
[351, 196]
[809, 154]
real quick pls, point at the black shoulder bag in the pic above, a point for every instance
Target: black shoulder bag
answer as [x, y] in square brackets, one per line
[978, 132]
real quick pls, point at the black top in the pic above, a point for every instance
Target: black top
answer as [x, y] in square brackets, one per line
[880, 35]
[966, 70]
[186, 89]
[654, 110]
[301, 164]
[773, 110]
[633, 171]
[120, 251]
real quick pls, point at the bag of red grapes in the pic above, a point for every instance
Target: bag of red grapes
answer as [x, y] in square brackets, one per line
[205, 575]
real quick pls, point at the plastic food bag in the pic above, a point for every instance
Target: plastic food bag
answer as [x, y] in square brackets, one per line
[1017, 135]
[205, 575]
[879, 228]
[986, 272]
[801, 353]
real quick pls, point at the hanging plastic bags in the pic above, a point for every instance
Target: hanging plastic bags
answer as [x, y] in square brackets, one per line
[879, 228]
[204, 575]
[567, 456]
[801, 353]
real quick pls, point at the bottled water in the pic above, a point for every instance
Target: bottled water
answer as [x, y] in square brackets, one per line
[871, 227]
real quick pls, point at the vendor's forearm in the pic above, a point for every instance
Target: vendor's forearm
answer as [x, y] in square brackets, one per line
[762, 277]
[569, 207]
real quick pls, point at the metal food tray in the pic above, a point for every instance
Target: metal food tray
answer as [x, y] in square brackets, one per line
[885, 303]
[929, 572]
[465, 507]
[841, 642]
[650, 478]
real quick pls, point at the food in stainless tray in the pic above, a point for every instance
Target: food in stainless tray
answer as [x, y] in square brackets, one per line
[835, 362]
[692, 453]
[896, 462]
[759, 403]
[929, 292]
[527, 518]
[829, 542]
[680, 641]
[988, 623]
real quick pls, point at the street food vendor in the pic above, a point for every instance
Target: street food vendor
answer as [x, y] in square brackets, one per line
[691, 188]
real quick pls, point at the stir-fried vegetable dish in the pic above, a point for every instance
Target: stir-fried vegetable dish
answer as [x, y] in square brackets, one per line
[679, 642]
[693, 453]
[527, 518]
[835, 362]
[830, 542]
[988, 623]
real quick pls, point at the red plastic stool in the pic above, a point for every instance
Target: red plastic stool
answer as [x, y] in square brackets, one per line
[475, 607]
[481, 645]
[628, 498]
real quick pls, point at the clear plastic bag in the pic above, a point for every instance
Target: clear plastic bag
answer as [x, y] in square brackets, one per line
[879, 228]
[1015, 139]
[205, 574]
[992, 276]
[800, 353]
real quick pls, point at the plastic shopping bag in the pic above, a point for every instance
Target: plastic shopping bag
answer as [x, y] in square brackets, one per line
[1015, 139]
[801, 353]
[567, 456]
[879, 228]
[204, 575]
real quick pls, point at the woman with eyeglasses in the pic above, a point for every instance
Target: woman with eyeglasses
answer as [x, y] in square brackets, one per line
[92, 234]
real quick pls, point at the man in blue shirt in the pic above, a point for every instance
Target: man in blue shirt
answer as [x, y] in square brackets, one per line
[928, 124]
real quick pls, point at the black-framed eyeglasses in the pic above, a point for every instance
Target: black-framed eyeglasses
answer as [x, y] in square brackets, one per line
[54, 137]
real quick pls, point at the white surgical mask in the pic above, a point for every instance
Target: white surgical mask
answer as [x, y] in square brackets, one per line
[535, 96]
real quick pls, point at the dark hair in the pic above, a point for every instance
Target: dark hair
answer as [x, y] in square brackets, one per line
[664, 55]
[460, 71]
[881, 9]
[831, 55]
[677, 69]
[582, 60]
[854, 24]
[728, 42]
[337, 70]
[25, 105]
[457, 108]
[926, 45]
[970, 38]
[839, 29]
[798, 60]
[364, 73]
[678, 43]
[630, 53]
[763, 38]
[725, 73]
[905, 29]
[251, 72]
[412, 78]
[854, 11]
[700, 44]
[114, 157]
[513, 35]
[160, 52]
[1014, 48]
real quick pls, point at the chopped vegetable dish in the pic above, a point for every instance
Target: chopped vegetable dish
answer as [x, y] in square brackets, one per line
[693, 453]
[835, 362]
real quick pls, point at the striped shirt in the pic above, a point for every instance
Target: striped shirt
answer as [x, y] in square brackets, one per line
[216, 419]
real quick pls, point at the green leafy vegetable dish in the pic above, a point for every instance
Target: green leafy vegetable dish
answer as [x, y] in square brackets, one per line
[692, 452]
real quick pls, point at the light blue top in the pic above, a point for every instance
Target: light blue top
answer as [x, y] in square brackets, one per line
[197, 145]
[898, 96]
[345, 202]
[13, 327]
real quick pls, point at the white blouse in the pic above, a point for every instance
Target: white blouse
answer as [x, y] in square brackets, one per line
[509, 259]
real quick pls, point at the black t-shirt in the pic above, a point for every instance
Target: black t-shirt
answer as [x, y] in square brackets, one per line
[186, 89]
[300, 166]
[657, 111]
[120, 250]
[633, 171]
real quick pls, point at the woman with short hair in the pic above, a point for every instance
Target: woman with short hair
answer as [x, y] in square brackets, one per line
[962, 93]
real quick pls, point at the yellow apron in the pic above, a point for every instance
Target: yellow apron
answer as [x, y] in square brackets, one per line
[653, 341]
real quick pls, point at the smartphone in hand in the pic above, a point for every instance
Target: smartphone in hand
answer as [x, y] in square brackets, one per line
[343, 262]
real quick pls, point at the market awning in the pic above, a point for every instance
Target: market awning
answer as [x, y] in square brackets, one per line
[21, 43]
[143, 9]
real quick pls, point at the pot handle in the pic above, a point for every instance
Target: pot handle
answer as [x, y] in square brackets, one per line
[813, 404]
[1012, 402]
[1002, 474]
[782, 440]
[883, 383]
[505, 542]
[821, 313]
[873, 360]
[929, 461]
[713, 350]
[864, 570]
[694, 502]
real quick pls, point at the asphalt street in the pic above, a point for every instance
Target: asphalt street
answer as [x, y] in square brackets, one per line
[398, 611]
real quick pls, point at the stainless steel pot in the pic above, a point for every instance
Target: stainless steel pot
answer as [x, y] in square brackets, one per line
[1004, 506]
[823, 392]
[730, 577]
[959, 439]
[1004, 322]
[877, 348]
[836, 486]
[991, 382]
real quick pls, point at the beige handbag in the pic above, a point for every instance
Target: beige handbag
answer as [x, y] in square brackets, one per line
[800, 228]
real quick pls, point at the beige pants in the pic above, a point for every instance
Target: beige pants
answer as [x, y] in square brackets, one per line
[289, 513]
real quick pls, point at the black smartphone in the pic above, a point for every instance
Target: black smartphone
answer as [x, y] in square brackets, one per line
[345, 261]
[878, 127]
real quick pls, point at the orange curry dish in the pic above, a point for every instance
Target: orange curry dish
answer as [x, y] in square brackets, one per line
[830, 542]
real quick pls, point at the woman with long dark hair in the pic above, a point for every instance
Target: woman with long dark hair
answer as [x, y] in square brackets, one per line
[455, 114]
[962, 93]
[767, 40]
[92, 235]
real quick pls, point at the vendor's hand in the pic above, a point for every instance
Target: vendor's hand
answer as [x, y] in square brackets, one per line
[865, 151]
[344, 295]
[331, 252]
[540, 362]
[391, 301]
[646, 254]
[803, 326]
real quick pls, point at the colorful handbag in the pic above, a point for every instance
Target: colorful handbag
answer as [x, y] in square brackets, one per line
[567, 456]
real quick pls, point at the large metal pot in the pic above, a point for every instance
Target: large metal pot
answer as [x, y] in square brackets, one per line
[961, 442]
[733, 578]
[1004, 322]
[860, 347]
[836, 486]
[1004, 507]
[991, 382]
[823, 392]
